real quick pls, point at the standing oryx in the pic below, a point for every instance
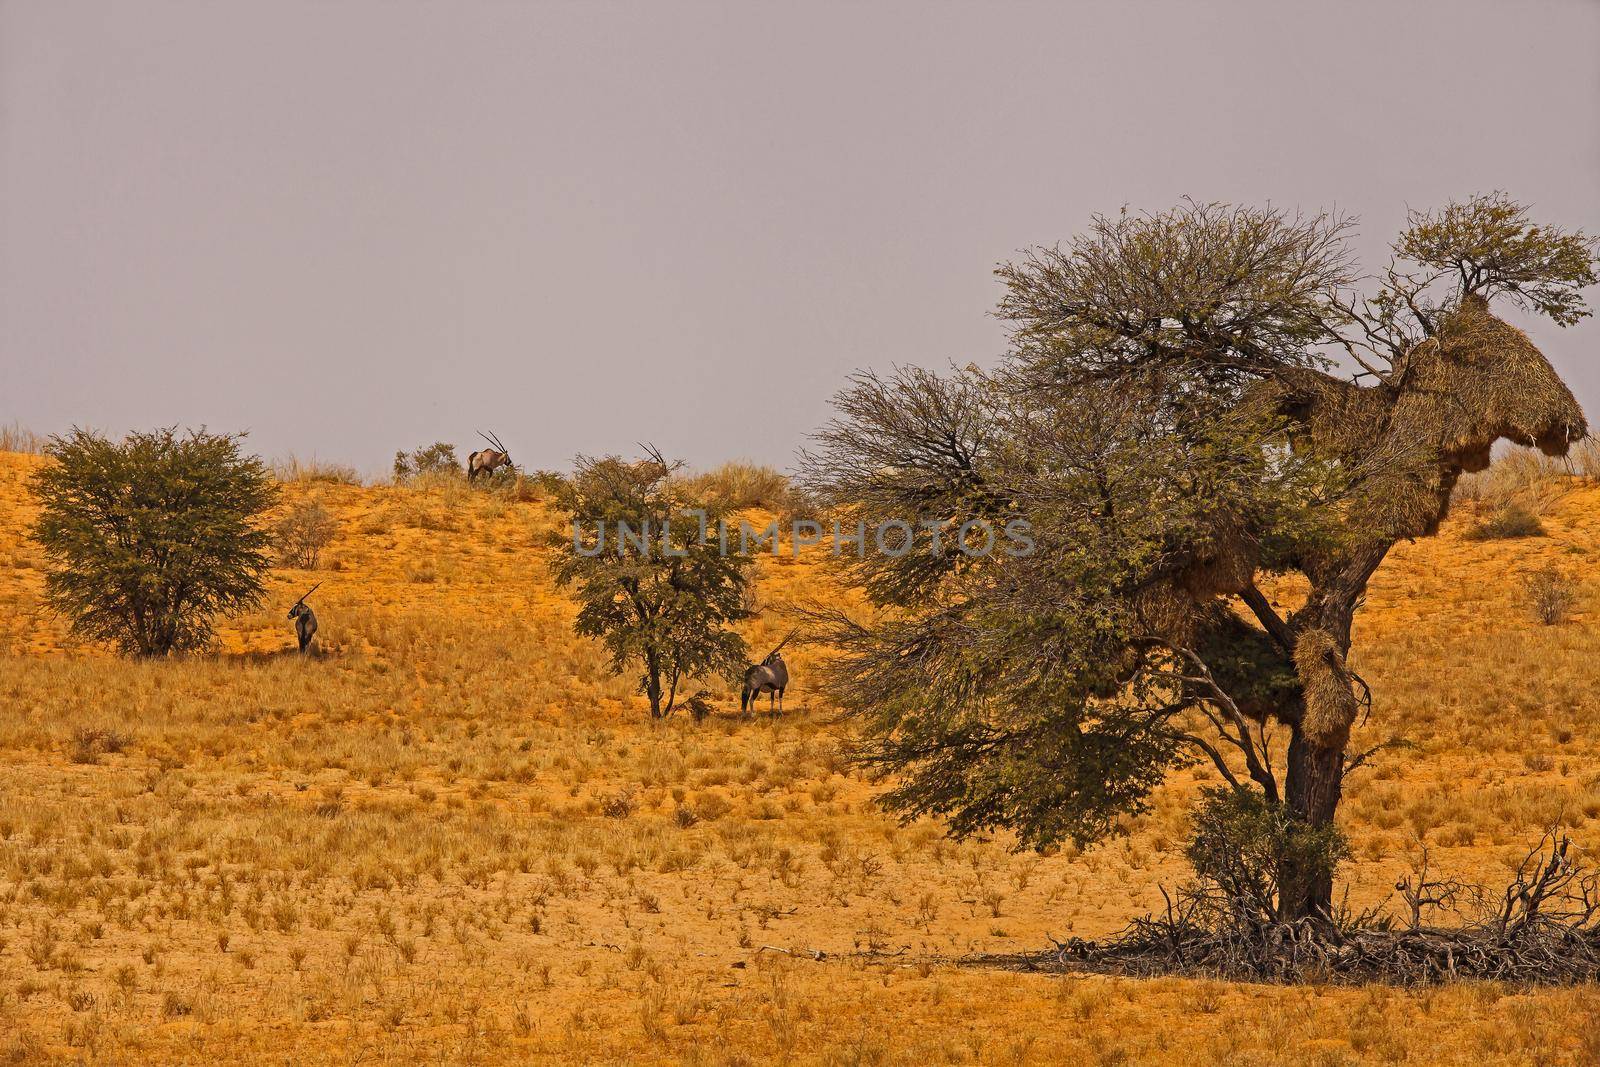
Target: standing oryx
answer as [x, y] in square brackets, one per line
[488, 460]
[770, 676]
[305, 620]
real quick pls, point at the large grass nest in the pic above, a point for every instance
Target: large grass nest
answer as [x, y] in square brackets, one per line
[1542, 929]
[1448, 400]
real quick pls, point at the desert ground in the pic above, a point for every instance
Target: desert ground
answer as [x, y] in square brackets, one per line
[453, 837]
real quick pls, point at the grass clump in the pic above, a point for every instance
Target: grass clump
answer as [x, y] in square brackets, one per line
[295, 469]
[18, 438]
[1506, 523]
[742, 486]
[88, 744]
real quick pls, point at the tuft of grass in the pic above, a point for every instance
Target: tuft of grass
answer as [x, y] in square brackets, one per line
[1521, 477]
[742, 486]
[619, 805]
[18, 438]
[295, 469]
[88, 744]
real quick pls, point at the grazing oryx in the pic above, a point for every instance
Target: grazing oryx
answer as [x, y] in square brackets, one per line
[305, 620]
[488, 460]
[770, 676]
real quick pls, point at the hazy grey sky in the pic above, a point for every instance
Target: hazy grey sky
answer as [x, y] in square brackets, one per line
[358, 226]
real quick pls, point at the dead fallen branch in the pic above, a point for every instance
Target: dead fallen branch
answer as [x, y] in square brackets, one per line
[1543, 929]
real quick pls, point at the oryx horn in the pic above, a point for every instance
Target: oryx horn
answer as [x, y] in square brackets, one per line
[785, 641]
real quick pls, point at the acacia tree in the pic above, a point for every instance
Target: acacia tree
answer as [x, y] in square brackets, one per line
[652, 579]
[1172, 424]
[149, 539]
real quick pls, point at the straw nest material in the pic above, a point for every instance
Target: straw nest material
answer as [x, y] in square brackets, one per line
[1402, 444]
[1451, 397]
[1330, 702]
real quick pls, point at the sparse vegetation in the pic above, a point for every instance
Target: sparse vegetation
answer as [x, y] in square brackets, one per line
[304, 531]
[742, 486]
[17, 438]
[410, 885]
[1550, 595]
[295, 469]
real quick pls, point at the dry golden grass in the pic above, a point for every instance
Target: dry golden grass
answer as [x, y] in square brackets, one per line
[454, 838]
[16, 437]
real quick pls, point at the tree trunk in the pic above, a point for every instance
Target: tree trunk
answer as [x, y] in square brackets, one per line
[672, 693]
[1316, 745]
[652, 683]
[1312, 790]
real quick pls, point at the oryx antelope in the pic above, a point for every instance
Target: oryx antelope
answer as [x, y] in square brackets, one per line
[770, 676]
[305, 620]
[488, 460]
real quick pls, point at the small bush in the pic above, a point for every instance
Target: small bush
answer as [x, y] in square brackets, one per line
[619, 805]
[1505, 523]
[438, 458]
[546, 485]
[1550, 595]
[699, 705]
[1251, 853]
[504, 480]
[303, 533]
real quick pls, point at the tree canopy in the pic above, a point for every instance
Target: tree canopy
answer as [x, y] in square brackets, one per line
[149, 539]
[653, 581]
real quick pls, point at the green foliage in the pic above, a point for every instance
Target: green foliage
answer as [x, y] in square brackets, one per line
[1226, 290]
[438, 458]
[150, 539]
[1034, 692]
[666, 608]
[547, 485]
[1489, 246]
[1506, 523]
[1256, 854]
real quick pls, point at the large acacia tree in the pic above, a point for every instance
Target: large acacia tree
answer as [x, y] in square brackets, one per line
[1176, 422]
